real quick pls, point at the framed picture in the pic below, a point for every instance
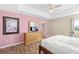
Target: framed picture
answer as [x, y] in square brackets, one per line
[10, 25]
[32, 26]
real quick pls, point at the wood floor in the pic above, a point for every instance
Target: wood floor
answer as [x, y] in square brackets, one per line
[22, 49]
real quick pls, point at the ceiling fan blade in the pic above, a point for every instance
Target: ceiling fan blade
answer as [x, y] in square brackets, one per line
[52, 6]
[57, 6]
[49, 6]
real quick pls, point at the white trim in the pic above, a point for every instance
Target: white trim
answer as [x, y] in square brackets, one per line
[22, 8]
[69, 12]
[11, 45]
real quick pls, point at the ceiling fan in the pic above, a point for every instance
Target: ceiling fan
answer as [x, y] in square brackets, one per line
[52, 7]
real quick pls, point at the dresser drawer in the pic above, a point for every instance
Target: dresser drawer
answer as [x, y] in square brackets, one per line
[33, 37]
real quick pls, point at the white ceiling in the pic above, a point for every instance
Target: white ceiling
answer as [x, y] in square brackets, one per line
[45, 7]
[42, 9]
[64, 10]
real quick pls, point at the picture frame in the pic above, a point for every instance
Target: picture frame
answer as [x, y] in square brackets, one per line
[32, 27]
[10, 25]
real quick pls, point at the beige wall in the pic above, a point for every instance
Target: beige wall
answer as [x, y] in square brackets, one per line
[61, 26]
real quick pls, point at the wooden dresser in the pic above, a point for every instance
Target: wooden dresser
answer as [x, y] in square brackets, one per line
[31, 37]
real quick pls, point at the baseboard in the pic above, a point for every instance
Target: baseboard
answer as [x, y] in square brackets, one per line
[11, 45]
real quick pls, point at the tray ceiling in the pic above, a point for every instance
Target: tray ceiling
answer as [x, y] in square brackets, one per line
[45, 7]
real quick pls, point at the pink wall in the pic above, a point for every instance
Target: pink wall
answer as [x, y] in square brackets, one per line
[16, 38]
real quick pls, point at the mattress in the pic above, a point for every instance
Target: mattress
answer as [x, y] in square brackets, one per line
[61, 44]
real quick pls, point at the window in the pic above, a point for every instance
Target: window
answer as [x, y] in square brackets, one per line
[75, 25]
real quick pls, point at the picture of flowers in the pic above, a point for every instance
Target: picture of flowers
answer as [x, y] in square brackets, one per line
[10, 25]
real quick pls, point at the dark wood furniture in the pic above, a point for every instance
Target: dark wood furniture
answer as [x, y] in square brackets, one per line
[46, 51]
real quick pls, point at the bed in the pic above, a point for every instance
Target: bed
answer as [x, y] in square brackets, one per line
[60, 44]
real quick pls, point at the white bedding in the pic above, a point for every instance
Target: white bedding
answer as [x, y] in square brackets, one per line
[61, 44]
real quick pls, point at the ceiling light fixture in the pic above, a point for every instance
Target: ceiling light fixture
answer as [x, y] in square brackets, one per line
[50, 11]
